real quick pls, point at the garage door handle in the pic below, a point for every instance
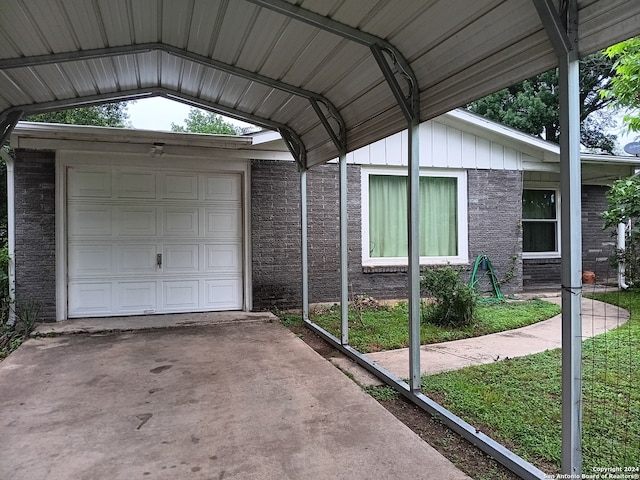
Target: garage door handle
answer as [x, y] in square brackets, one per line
[159, 260]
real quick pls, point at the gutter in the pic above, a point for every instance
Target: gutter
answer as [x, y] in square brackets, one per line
[11, 221]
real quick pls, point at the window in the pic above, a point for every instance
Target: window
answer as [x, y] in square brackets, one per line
[443, 217]
[540, 222]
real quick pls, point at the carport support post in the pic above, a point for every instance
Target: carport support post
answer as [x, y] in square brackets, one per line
[571, 248]
[304, 244]
[414, 254]
[344, 263]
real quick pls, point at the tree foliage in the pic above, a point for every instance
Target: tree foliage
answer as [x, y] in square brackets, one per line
[199, 121]
[624, 90]
[533, 105]
[107, 115]
[624, 207]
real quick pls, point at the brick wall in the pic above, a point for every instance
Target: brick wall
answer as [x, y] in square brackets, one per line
[35, 230]
[597, 246]
[493, 230]
[495, 213]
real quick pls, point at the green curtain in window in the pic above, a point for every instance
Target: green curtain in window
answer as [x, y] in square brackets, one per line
[388, 216]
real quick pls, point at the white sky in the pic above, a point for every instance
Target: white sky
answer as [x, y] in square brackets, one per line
[158, 113]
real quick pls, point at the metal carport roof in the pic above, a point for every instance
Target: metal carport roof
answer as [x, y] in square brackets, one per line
[331, 76]
[310, 68]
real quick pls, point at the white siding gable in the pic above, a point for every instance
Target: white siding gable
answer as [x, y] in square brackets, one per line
[441, 146]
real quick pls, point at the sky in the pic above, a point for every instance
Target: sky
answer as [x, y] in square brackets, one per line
[158, 113]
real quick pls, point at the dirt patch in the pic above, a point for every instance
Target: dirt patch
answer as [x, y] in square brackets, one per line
[464, 455]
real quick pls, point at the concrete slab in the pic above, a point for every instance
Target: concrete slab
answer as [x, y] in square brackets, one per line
[597, 317]
[244, 401]
[149, 322]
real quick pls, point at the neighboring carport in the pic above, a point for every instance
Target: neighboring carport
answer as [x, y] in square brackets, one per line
[178, 403]
[330, 76]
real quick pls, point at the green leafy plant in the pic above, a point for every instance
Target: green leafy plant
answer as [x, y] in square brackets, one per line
[454, 302]
[382, 394]
[624, 205]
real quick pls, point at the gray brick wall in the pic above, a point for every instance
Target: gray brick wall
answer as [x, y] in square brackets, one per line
[597, 246]
[35, 230]
[495, 227]
[493, 231]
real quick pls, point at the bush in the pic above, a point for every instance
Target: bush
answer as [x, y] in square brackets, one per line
[454, 302]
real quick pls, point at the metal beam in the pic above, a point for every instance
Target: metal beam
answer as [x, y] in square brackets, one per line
[337, 134]
[513, 462]
[571, 248]
[409, 103]
[563, 34]
[552, 23]
[10, 119]
[304, 245]
[414, 255]
[344, 253]
[319, 21]
[327, 24]
[292, 138]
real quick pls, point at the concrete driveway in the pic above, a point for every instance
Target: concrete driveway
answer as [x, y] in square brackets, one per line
[247, 401]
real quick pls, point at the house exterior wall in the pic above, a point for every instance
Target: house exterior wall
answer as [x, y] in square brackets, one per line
[35, 230]
[495, 227]
[597, 246]
[494, 230]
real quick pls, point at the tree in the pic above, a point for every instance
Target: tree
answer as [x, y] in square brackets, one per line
[200, 121]
[107, 115]
[532, 106]
[624, 207]
[624, 91]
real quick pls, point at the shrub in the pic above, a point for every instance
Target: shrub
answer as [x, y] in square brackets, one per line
[454, 302]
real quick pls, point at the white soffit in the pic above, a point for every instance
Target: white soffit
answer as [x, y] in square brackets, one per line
[252, 60]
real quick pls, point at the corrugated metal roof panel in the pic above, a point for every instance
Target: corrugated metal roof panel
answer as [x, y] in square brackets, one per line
[459, 50]
[12, 91]
[84, 21]
[146, 21]
[114, 16]
[20, 29]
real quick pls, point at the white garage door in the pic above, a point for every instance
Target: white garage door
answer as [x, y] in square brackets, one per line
[142, 242]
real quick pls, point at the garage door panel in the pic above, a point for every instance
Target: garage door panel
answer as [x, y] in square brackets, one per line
[136, 184]
[223, 223]
[90, 260]
[90, 299]
[180, 186]
[223, 293]
[89, 183]
[223, 258]
[137, 297]
[137, 259]
[121, 219]
[182, 258]
[180, 295]
[89, 221]
[137, 221]
[223, 187]
[181, 222]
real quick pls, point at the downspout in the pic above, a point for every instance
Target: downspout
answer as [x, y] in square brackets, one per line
[622, 232]
[11, 244]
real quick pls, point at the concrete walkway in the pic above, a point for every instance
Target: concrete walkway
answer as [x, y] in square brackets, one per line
[247, 400]
[597, 317]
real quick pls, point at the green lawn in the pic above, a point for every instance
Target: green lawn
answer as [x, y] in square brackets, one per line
[518, 401]
[386, 328]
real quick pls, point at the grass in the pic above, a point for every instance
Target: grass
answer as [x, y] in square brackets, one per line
[518, 401]
[385, 328]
